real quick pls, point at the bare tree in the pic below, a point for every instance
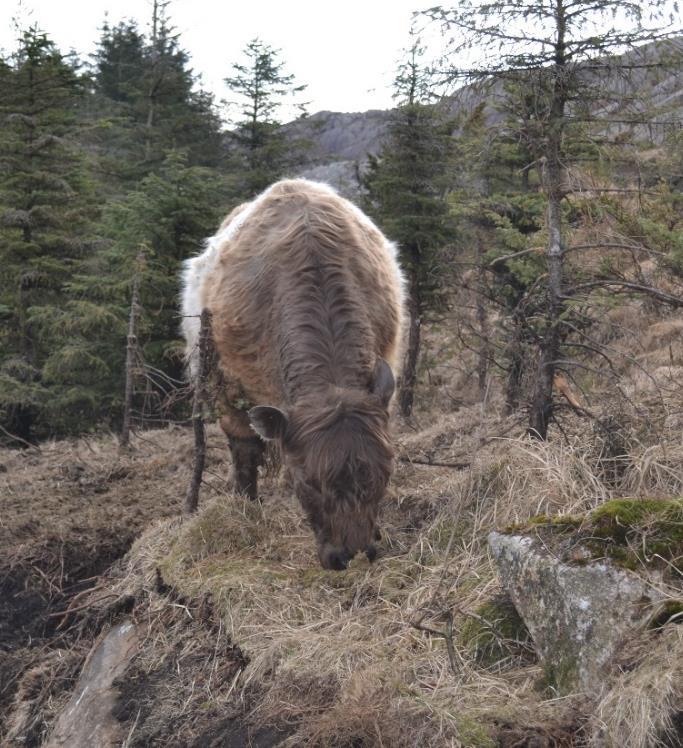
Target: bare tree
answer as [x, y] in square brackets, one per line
[131, 351]
[568, 56]
[198, 401]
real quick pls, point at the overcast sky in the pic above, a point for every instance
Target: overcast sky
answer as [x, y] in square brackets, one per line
[345, 51]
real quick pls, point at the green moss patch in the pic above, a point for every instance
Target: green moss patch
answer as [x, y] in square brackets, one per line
[559, 678]
[636, 532]
[632, 533]
[670, 612]
[557, 522]
[495, 634]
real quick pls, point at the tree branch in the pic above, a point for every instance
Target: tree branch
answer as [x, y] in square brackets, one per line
[662, 296]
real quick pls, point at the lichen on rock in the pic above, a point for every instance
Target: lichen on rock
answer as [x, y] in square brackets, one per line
[568, 583]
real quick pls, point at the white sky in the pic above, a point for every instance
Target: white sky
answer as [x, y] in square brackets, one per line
[345, 51]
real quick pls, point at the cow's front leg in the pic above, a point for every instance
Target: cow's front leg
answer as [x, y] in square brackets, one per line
[247, 455]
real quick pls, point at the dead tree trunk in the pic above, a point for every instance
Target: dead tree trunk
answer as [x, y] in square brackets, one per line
[515, 361]
[482, 321]
[542, 399]
[406, 393]
[198, 400]
[156, 76]
[131, 358]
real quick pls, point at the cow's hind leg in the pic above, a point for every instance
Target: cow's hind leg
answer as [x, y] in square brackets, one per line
[247, 456]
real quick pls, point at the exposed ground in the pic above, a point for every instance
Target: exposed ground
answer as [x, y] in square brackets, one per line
[244, 640]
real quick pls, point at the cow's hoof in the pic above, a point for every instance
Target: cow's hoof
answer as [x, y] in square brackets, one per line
[335, 559]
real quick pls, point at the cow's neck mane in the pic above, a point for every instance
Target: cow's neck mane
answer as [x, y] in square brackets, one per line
[325, 340]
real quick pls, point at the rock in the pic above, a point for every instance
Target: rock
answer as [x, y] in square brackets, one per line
[340, 136]
[342, 175]
[579, 616]
[87, 719]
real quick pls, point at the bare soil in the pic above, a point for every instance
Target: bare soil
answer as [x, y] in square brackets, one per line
[69, 510]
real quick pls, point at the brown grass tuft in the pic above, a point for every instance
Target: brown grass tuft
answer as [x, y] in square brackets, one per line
[639, 707]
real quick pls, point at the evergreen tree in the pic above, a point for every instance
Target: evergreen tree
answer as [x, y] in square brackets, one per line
[406, 185]
[120, 62]
[148, 97]
[163, 221]
[175, 116]
[43, 215]
[262, 87]
[499, 210]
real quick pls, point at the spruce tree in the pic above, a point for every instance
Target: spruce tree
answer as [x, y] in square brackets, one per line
[262, 86]
[150, 102]
[406, 185]
[44, 214]
[499, 211]
[175, 115]
[119, 62]
[165, 219]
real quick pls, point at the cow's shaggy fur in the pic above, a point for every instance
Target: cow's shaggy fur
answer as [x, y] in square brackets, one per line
[307, 311]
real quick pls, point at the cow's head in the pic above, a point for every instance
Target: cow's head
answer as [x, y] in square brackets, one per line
[338, 451]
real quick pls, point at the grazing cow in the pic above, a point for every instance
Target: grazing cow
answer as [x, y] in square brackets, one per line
[307, 312]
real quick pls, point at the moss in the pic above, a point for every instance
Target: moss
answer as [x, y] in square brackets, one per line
[632, 533]
[473, 734]
[559, 520]
[625, 513]
[671, 611]
[556, 522]
[560, 677]
[495, 633]
[444, 531]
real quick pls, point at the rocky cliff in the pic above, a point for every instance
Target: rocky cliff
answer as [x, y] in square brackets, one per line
[340, 142]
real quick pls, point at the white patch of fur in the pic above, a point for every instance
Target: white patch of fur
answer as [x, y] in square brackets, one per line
[194, 272]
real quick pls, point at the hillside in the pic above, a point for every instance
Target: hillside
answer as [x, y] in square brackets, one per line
[223, 630]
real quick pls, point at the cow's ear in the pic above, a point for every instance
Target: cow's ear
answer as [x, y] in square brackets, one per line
[268, 422]
[383, 382]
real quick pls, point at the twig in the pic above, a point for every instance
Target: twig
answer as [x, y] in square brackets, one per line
[51, 585]
[81, 594]
[666, 298]
[435, 463]
[446, 635]
[131, 350]
[521, 253]
[66, 613]
[19, 439]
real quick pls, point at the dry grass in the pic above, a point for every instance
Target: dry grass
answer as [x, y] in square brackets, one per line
[375, 656]
[636, 710]
[382, 654]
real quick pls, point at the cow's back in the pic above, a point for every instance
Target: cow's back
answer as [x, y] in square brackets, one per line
[270, 256]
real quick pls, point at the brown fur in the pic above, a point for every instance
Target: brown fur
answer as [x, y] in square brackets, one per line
[305, 299]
